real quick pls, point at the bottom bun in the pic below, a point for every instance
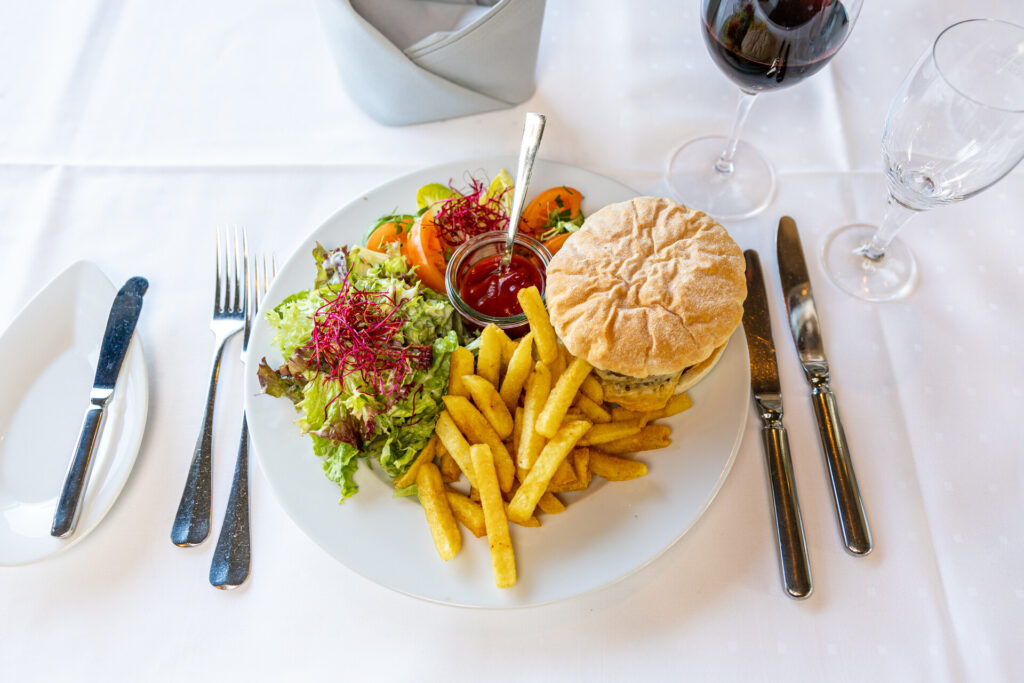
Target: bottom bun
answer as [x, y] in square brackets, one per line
[696, 373]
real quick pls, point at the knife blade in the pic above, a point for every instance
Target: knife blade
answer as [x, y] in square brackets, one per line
[767, 393]
[124, 314]
[806, 329]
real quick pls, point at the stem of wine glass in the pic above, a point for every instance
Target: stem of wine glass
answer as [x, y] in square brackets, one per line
[896, 216]
[724, 165]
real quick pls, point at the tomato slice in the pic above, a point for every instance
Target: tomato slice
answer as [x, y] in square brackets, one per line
[550, 206]
[391, 231]
[426, 252]
[556, 242]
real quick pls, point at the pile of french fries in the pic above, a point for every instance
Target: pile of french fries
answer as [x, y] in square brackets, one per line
[529, 421]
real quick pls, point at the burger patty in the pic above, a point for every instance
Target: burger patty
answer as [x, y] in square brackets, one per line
[627, 383]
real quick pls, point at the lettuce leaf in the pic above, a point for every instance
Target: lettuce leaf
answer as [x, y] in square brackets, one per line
[346, 420]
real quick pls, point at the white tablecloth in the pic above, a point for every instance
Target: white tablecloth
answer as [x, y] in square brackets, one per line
[129, 131]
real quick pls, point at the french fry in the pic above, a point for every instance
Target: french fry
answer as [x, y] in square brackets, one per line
[460, 363]
[507, 349]
[530, 521]
[677, 404]
[505, 339]
[595, 412]
[613, 468]
[468, 513]
[580, 458]
[441, 450]
[458, 448]
[475, 426]
[431, 491]
[517, 372]
[592, 389]
[488, 362]
[503, 561]
[649, 438]
[557, 367]
[543, 334]
[550, 504]
[609, 431]
[538, 384]
[507, 495]
[561, 397]
[517, 429]
[487, 399]
[450, 470]
[581, 463]
[536, 483]
[474, 494]
[565, 475]
[426, 455]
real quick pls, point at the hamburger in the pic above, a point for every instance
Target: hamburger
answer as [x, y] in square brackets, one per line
[648, 291]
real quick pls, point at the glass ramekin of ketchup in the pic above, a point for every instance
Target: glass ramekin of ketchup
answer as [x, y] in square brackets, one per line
[483, 292]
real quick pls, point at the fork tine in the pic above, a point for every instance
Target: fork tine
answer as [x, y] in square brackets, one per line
[246, 294]
[235, 305]
[245, 265]
[216, 277]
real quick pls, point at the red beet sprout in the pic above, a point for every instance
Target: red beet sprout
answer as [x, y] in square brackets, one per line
[472, 214]
[359, 332]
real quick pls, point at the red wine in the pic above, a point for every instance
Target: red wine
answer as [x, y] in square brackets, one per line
[766, 44]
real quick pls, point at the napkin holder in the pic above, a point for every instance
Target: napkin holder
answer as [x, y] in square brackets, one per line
[485, 65]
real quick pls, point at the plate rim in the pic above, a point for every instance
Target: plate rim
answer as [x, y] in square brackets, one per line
[469, 164]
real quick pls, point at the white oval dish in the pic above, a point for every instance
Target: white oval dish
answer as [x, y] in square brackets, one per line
[607, 532]
[51, 350]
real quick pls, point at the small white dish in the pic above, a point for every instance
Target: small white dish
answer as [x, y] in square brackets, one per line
[607, 532]
[50, 351]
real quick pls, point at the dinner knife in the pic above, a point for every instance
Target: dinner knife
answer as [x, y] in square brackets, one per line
[124, 313]
[803, 322]
[767, 391]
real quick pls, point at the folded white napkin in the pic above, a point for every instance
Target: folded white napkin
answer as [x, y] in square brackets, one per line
[409, 61]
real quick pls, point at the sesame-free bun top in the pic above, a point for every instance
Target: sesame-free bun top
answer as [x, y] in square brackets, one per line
[646, 287]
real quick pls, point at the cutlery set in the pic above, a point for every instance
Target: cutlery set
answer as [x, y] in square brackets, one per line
[767, 394]
[237, 292]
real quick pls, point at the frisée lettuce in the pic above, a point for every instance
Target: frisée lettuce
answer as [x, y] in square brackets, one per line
[366, 355]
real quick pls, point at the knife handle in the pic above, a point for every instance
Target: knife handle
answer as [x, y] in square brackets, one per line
[796, 571]
[69, 504]
[853, 522]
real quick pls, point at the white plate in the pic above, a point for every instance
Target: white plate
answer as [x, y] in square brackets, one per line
[607, 531]
[50, 351]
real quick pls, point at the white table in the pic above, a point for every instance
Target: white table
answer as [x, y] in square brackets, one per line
[130, 130]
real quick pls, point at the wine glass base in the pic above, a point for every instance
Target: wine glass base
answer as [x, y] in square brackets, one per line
[889, 278]
[693, 180]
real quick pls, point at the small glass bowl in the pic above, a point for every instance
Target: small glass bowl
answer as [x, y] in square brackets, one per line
[481, 247]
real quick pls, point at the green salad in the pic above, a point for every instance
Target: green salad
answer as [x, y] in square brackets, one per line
[366, 353]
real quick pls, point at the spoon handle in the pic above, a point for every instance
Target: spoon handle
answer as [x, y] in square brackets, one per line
[533, 130]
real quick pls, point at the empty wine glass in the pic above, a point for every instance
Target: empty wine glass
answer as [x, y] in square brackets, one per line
[955, 127]
[760, 45]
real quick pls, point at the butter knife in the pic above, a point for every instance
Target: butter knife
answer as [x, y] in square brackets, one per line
[803, 322]
[767, 391]
[124, 314]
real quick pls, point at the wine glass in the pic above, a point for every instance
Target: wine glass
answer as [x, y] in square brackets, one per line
[955, 127]
[760, 45]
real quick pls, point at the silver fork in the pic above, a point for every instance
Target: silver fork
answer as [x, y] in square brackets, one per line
[192, 522]
[232, 557]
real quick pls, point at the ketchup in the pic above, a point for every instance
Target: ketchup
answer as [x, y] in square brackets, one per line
[491, 289]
